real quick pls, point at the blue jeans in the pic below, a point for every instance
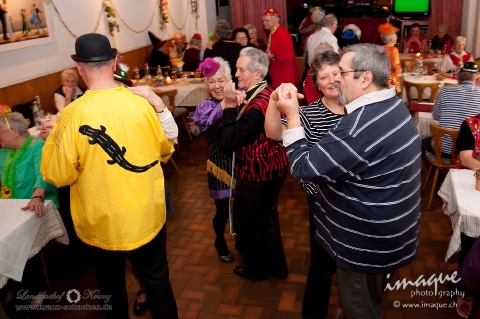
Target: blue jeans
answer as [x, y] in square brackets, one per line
[319, 280]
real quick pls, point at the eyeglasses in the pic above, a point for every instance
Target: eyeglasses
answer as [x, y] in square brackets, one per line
[251, 32]
[240, 39]
[265, 20]
[342, 73]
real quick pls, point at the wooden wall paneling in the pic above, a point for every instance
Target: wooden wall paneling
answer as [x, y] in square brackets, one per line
[44, 86]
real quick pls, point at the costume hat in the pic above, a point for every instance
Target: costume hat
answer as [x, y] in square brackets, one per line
[271, 12]
[93, 47]
[470, 67]
[197, 36]
[156, 42]
[387, 28]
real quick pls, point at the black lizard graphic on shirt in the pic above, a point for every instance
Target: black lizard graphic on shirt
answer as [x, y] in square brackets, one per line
[110, 147]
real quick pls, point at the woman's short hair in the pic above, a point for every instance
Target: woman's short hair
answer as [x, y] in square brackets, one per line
[442, 27]
[223, 30]
[386, 37]
[250, 27]
[238, 30]
[224, 69]
[320, 60]
[15, 120]
[69, 73]
[459, 39]
[258, 60]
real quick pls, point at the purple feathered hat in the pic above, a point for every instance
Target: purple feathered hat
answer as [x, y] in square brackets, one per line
[209, 67]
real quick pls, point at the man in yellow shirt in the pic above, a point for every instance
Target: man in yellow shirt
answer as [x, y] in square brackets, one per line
[108, 146]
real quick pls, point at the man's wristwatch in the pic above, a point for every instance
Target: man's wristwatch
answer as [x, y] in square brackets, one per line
[41, 198]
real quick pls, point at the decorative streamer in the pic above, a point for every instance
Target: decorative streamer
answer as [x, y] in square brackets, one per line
[184, 22]
[130, 28]
[65, 25]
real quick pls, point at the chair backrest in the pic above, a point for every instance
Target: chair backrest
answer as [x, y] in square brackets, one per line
[408, 64]
[437, 133]
[450, 84]
[420, 89]
[430, 65]
[171, 98]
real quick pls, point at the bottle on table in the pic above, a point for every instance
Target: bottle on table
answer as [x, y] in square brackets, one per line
[160, 79]
[148, 76]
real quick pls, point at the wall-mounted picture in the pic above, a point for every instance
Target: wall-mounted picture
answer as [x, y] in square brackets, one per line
[23, 23]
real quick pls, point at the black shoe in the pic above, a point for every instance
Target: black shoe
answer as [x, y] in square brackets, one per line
[244, 273]
[224, 254]
[139, 308]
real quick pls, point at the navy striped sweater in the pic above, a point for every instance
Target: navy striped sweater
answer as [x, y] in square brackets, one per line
[368, 171]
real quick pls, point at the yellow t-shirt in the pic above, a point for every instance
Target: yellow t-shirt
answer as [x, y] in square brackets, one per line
[107, 146]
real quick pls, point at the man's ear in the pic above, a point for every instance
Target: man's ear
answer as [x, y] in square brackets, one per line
[79, 68]
[367, 79]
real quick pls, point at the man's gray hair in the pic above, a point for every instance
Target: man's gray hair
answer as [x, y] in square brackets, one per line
[195, 42]
[329, 19]
[223, 30]
[15, 120]
[258, 60]
[250, 27]
[373, 58]
[466, 76]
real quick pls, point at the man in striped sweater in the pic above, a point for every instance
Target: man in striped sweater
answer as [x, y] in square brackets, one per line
[368, 168]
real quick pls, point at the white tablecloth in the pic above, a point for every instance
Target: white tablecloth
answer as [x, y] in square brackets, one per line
[461, 202]
[423, 120]
[23, 234]
[434, 58]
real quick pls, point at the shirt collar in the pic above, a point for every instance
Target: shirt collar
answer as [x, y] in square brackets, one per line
[370, 98]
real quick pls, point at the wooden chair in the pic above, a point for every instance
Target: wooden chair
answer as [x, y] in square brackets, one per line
[420, 89]
[436, 159]
[410, 63]
[176, 111]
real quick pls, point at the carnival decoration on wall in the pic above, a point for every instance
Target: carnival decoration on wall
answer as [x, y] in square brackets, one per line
[164, 18]
[111, 16]
[194, 5]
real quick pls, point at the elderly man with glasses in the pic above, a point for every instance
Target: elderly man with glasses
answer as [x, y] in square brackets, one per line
[280, 52]
[368, 172]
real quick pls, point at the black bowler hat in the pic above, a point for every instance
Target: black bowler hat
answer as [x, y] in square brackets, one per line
[93, 47]
[470, 67]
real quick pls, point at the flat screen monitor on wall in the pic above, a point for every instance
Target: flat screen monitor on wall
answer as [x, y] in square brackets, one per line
[411, 9]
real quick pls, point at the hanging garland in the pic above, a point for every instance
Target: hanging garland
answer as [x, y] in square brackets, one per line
[163, 14]
[65, 25]
[130, 28]
[194, 5]
[111, 15]
[184, 22]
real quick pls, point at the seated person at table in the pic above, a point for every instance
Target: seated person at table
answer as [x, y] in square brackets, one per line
[157, 57]
[192, 53]
[69, 91]
[451, 60]
[468, 144]
[20, 158]
[456, 103]
[442, 41]
[177, 47]
[415, 41]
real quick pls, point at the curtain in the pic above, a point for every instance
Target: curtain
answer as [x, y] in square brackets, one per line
[251, 11]
[448, 12]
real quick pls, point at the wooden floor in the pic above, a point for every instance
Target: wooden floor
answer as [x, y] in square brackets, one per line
[207, 288]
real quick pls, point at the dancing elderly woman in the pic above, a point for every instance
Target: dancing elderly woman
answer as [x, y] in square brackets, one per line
[219, 164]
